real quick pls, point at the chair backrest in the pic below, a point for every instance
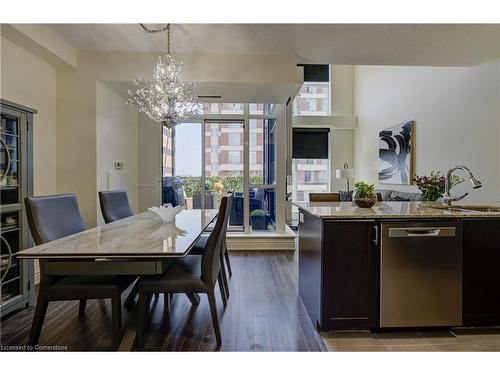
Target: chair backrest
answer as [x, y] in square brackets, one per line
[114, 205]
[53, 216]
[324, 197]
[210, 262]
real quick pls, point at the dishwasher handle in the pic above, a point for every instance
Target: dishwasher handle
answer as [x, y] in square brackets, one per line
[422, 232]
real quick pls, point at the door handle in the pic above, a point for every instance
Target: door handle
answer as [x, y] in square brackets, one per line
[422, 232]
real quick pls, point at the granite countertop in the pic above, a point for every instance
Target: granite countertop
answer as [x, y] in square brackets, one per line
[397, 210]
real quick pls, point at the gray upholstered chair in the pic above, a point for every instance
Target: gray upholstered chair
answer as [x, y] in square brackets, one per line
[114, 205]
[193, 274]
[56, 216]
[324, 197]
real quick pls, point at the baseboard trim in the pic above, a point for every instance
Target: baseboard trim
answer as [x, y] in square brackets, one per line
[262, 241]
[235, 244]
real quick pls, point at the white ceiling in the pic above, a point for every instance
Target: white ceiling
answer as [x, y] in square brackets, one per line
[359, 44]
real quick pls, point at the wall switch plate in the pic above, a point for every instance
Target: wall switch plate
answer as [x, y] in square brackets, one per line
[118, 165]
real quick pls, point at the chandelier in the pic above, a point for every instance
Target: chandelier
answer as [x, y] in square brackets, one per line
[167, 99]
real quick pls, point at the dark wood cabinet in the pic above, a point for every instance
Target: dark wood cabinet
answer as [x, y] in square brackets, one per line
[338, 272]
[349, 275]
[481, 272]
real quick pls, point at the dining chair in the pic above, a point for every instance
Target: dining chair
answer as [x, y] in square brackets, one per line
[53, 217]
[200, 245]
[114, 205]
[193, 274]
[324, 197]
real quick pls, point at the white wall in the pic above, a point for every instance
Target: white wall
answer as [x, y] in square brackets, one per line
[30, 81]
[150, 162]
[117, 140]
[457, 120]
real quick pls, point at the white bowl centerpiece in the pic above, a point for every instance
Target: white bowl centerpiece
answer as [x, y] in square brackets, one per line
[167, 212]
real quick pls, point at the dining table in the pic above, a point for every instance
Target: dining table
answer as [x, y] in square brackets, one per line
[138, 245]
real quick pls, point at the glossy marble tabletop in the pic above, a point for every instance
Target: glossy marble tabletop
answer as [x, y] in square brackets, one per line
[139, 236]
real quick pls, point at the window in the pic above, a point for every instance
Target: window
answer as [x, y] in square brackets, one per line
[256, 109]
[234, 139]
[312, 105]
[208, 157]
[253, 139]
[253, 159]
[307, 176]
[313, 98]
[234, 157]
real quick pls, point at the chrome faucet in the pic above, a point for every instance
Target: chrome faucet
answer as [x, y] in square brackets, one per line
[476, 184]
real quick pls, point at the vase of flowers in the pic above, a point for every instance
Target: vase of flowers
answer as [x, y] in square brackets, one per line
[364, 195]
[433, 186]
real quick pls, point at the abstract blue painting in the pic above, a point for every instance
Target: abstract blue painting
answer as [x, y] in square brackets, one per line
[396, 154]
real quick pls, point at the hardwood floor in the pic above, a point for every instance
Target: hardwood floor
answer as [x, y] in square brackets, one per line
[264, 313]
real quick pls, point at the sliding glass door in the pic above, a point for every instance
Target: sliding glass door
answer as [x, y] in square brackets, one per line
[223, 166]
[231, 149]
[182, 161]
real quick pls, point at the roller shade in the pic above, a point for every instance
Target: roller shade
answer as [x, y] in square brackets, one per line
[310, 143]
[316, 72]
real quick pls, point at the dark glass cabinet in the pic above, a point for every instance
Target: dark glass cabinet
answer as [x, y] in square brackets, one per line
[16, 182]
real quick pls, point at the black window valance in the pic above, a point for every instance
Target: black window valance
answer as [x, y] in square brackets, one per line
[310, 143]
[316, 72]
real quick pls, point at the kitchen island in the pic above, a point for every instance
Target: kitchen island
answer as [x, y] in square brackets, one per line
[399, 265]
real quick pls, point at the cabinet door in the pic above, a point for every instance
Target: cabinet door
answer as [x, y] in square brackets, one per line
[310, 229]
[349, 272]
[481, 277]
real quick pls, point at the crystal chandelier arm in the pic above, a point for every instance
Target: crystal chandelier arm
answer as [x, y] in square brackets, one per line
[154, 31]
[158, 31]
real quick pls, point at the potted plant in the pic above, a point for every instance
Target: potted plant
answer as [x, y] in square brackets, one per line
[364, 195]
[433, 186]
[259, 219]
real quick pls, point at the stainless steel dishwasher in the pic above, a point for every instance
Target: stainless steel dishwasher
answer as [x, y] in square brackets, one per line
[421, 274]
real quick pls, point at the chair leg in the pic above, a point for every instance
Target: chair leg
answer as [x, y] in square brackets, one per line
[81, 308]
[166, 304]
[224, 277]
[148, 304]
[141, 317]
[129, 301]
[38, 318]
[116, 317]
[194, 298]
[215, 320]
[228, 263]
[222, 289]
